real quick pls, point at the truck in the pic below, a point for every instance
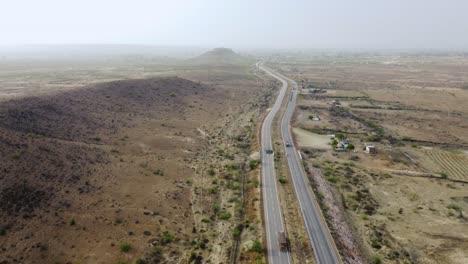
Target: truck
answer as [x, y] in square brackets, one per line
[283, 241]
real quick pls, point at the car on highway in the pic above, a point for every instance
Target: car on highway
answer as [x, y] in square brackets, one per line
[283, 241]
[288, 144]
[269, 151]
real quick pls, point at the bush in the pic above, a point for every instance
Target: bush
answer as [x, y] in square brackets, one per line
[125, 247]
[282, 180]
[156, 250]
[257, 247]
[214, 190]
[72, 222]
[253, 164]
[455, 207]
[216, 208]
[140, 261]
[376, 260]
[167, 238]
[236, 232]
[211, 172]
[224, 215]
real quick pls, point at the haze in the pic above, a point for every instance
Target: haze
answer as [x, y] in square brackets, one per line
[272, 24]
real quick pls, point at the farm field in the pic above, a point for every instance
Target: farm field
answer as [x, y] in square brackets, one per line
[453, 164]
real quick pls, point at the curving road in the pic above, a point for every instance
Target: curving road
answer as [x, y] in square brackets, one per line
[271, 205]
[322, 243]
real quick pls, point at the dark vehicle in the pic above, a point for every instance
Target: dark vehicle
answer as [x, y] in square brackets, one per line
[269, 151]
[288, 144]
[283, 241]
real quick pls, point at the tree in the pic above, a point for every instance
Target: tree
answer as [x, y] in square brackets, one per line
[340, 136]
[350, 146]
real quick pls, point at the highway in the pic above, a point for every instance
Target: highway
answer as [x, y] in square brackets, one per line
[323, 245]
[271, 204]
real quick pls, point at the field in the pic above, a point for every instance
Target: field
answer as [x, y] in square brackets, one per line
[453, 165]
[407, 202]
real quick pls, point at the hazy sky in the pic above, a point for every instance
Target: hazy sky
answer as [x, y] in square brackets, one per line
[239, 23]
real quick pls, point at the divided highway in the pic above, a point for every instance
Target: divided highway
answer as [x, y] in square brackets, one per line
[271, 204]
[322, 243]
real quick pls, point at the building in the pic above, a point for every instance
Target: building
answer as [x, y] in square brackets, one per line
[370, 149]
[315, 117]
[342, 145]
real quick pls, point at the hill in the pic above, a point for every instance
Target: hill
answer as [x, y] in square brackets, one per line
[84, 165]
[220, 56]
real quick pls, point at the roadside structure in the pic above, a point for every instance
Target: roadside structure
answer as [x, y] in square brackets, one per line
[370, 149]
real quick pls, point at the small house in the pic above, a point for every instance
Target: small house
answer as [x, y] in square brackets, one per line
[370, 149]
[342, 145]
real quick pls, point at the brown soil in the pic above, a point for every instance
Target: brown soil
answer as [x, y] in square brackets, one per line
[86, 170]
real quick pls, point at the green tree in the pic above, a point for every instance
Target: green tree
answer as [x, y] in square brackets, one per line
[340, 136]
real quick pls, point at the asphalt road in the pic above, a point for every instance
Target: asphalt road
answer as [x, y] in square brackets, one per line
[271, 205]
[322, 243]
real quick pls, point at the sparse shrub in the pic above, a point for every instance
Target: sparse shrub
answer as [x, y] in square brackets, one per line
[72, 222]
[158, 172]
[205, 220]
[211, 172]
[236, 232]
[320, 196]
[214, 190]
[125, 247]
[140, 261]
[2, 231]
[16, 156]
[156, 250]
[224, 215]
[255, 183]
[257, 247]
[376, 259]
[332, 179]
[282, 180]
[455, 207]
[443, 175]
[375, 242]
[253, 164]
[167, 238]
[216, 208]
